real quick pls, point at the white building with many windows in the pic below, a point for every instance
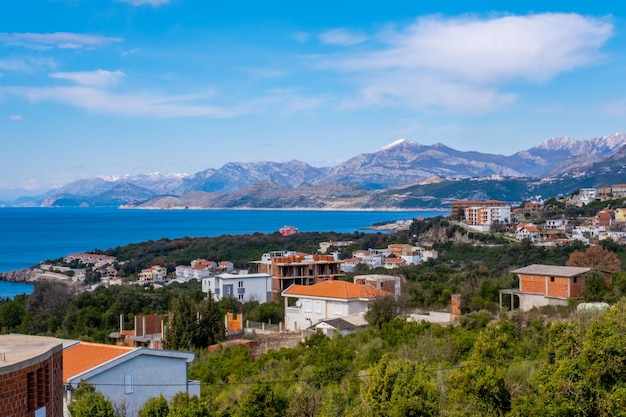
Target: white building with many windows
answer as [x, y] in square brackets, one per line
[186, 273]
[240, 285]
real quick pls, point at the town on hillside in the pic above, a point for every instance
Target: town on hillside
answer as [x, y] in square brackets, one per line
[422, 275]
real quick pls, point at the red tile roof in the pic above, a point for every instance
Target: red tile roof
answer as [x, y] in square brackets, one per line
[84, 356]
[336, 289]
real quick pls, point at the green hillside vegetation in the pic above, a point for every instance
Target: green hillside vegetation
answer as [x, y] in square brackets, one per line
[551, 362]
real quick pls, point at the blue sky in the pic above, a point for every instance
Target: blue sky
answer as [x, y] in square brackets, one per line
[114, 87]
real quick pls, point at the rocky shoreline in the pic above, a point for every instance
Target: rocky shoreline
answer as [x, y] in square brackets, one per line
[21, 275]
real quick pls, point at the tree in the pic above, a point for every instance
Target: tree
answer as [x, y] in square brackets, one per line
[595, 257]
[182, 325]
[90, 403]
[381, 311]
[261, 401]
[595, 287]
[184, 405]
[398, 388]
[480, 384]
[210, 329]
[155, 407]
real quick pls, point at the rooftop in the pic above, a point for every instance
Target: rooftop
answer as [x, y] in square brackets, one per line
[336, 289]
[22, 349]
[551, 270]
[84, 356]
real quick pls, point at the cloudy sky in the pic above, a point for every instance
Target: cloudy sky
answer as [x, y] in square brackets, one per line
[113, 87]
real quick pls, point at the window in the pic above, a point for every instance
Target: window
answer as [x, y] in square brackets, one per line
[307, 306]
[128, 383]
[337, 308]
[240, 285]
[241, 296]
[318, 307]
[551, 279]
[575, 280]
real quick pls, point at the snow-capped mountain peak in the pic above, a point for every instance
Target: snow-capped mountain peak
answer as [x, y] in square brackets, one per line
[399, 142]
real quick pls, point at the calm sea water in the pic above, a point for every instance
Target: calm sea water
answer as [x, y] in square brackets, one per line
[31, 235]
[11, 289]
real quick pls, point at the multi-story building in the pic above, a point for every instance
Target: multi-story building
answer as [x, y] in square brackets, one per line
[481, 217]
[240, 285]
[153, 274]
[186, 273]
[556, 224]
[586, 195]
[604, 218]
[307, 305]
[290, 267]
[31, 376]
[618, 190]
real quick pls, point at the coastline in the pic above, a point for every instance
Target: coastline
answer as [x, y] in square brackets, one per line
[390, 210]
[27, 276]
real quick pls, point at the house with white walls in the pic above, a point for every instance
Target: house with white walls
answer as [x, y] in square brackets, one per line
[307, 305]
[241, 285]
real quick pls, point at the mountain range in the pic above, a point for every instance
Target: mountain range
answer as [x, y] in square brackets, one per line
[403, 174]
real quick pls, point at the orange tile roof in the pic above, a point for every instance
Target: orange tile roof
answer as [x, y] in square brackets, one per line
[83, 356]
[336, 289]
[394, 260]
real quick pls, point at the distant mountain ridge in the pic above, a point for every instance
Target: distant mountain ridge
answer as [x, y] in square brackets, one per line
[359, 182]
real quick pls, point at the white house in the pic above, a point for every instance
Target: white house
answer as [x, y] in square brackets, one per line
[127, 376]
[556, 224]
[527, 231]
[393, 263]
[186, 273]
[586, 195]
[241, 285]
[307, 305]
[349, 265]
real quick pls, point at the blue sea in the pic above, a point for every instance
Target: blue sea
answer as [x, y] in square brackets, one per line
[31, 235]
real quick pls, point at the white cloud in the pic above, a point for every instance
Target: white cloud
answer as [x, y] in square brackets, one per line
[98, 78]
[341, 37]
[16, 117]
[62, 40]
[463, 63]
[25, 65]
[135, 104]
[153, 3]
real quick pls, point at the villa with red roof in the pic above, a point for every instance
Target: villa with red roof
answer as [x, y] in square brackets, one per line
[307, 305]
[128, 376]
[527, 231]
